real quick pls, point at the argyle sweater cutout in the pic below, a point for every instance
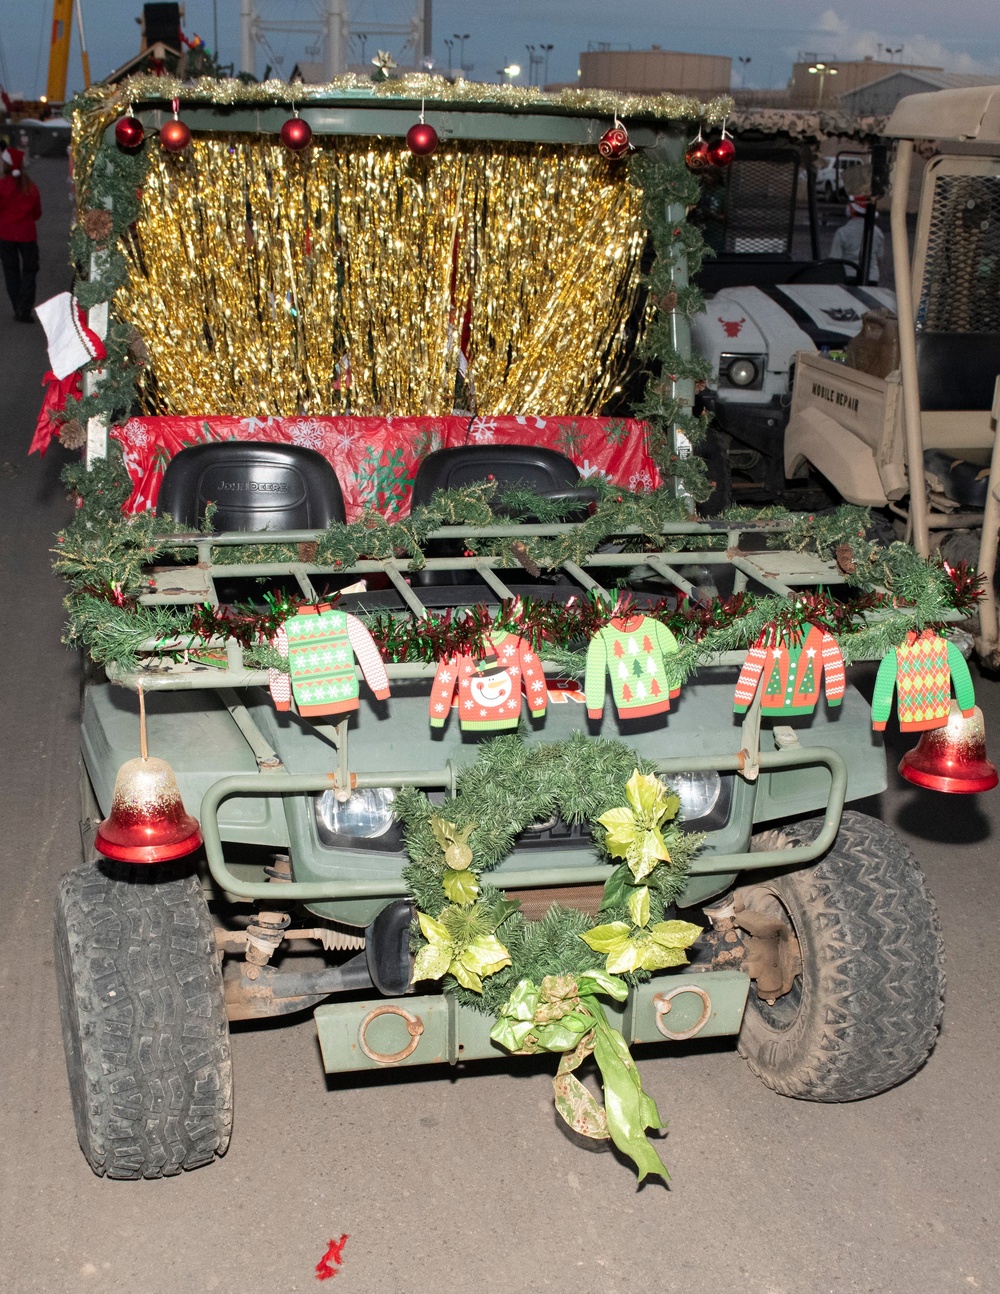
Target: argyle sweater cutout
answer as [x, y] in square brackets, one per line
[489, 696]
[922, 670]
[635, 651]
[792, 671]
[321, 644]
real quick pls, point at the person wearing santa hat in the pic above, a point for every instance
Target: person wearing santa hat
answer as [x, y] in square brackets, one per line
[847, 240]
[20, 208]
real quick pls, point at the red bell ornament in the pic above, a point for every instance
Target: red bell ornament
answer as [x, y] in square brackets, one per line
[722, 152]
[422, 139]
[296, 134]
[175, 136]
[129, 133]
[148, 822]
[614, 143]
[952, 758]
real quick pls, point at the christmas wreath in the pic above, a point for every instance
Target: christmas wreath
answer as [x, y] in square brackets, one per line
[543, 980]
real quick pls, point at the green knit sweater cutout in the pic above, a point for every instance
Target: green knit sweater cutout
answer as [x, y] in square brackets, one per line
[635, 651]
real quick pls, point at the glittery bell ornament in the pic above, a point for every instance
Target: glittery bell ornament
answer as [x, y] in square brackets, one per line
[614, 143]
[174, 134]
[952, 758]
[148, 821]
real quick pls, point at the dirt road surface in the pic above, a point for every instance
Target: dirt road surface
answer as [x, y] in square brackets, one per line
[450, 1182]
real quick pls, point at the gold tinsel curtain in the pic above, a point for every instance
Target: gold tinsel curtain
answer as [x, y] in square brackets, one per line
[259, 278]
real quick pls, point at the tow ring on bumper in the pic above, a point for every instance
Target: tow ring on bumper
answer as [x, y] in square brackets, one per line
[662, 1003]
[414, 1026]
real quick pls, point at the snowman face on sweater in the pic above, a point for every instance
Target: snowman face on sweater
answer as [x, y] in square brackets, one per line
[492, 689]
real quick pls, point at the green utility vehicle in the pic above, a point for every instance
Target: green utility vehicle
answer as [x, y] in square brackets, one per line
[820, 950]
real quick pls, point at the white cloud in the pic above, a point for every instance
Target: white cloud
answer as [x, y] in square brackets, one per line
[848, 41]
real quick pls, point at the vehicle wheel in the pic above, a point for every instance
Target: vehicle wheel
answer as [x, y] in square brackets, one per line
[143, 1018]
[864, 1013]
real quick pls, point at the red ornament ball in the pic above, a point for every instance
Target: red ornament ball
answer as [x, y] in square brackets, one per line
[614, 143]
[697, 155]
[421, 139]
[722, 153]
[296, 134]
[129, 133]
[174, 136]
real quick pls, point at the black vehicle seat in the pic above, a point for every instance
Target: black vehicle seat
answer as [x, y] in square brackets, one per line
[254, 487]
[531, 467]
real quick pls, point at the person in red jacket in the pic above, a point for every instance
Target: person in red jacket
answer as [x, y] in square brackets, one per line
[20, 207]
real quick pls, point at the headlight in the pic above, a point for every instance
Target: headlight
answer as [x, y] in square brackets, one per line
[742, 372]
[365, 816]
[699, 793]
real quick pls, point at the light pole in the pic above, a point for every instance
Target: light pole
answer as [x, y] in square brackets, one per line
[532, 57]
[449, 45]
[461, 48]
[891, 52]
[743, 60]
[822, 70]
[363, 40]
[546, 50]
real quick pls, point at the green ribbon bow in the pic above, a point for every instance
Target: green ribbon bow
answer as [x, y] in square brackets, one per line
[564, 1015]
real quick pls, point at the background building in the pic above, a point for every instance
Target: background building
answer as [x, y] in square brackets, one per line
[838, 77]
[654, 71]
[878, 98]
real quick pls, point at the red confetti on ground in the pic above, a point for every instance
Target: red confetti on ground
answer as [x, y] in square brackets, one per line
[331, 1260]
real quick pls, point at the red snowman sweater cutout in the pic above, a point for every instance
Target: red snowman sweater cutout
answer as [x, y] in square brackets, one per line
[489, 687]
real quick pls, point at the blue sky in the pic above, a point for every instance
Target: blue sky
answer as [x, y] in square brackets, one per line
[961, 36]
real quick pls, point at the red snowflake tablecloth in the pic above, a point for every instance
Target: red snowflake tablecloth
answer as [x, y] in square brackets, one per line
[376, 459]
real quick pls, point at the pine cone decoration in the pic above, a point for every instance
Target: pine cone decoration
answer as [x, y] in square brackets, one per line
[524, 557]
[72, 434]
[668, 302]
[308, 551]
[137, 347]
[97, 224]
[844, 554]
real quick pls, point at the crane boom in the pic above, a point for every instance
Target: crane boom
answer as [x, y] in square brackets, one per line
[62, 18]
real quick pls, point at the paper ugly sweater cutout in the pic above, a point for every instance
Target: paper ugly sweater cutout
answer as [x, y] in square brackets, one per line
[922, 670]
[321, 644]
[635, 651]
[489, 687]
[791, 669]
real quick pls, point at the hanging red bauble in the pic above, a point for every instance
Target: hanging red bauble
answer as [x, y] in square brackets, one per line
[296, 134]
[174, 136]
[722, 152]
[421, 139]
[614, 144]
[697, 155]
[129, 133]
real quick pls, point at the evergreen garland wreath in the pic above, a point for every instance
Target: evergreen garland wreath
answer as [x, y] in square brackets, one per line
[541, 979]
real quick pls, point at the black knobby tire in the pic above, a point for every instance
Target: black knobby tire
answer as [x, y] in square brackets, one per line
[144, 1020]
[864, 1014]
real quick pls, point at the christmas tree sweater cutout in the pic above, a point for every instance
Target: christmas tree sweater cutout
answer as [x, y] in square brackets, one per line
[321, 644]
[792, 669]
[922, 670]
[489, 687]
[634, 651]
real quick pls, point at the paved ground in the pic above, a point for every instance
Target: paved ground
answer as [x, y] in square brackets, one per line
[463, 1183]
